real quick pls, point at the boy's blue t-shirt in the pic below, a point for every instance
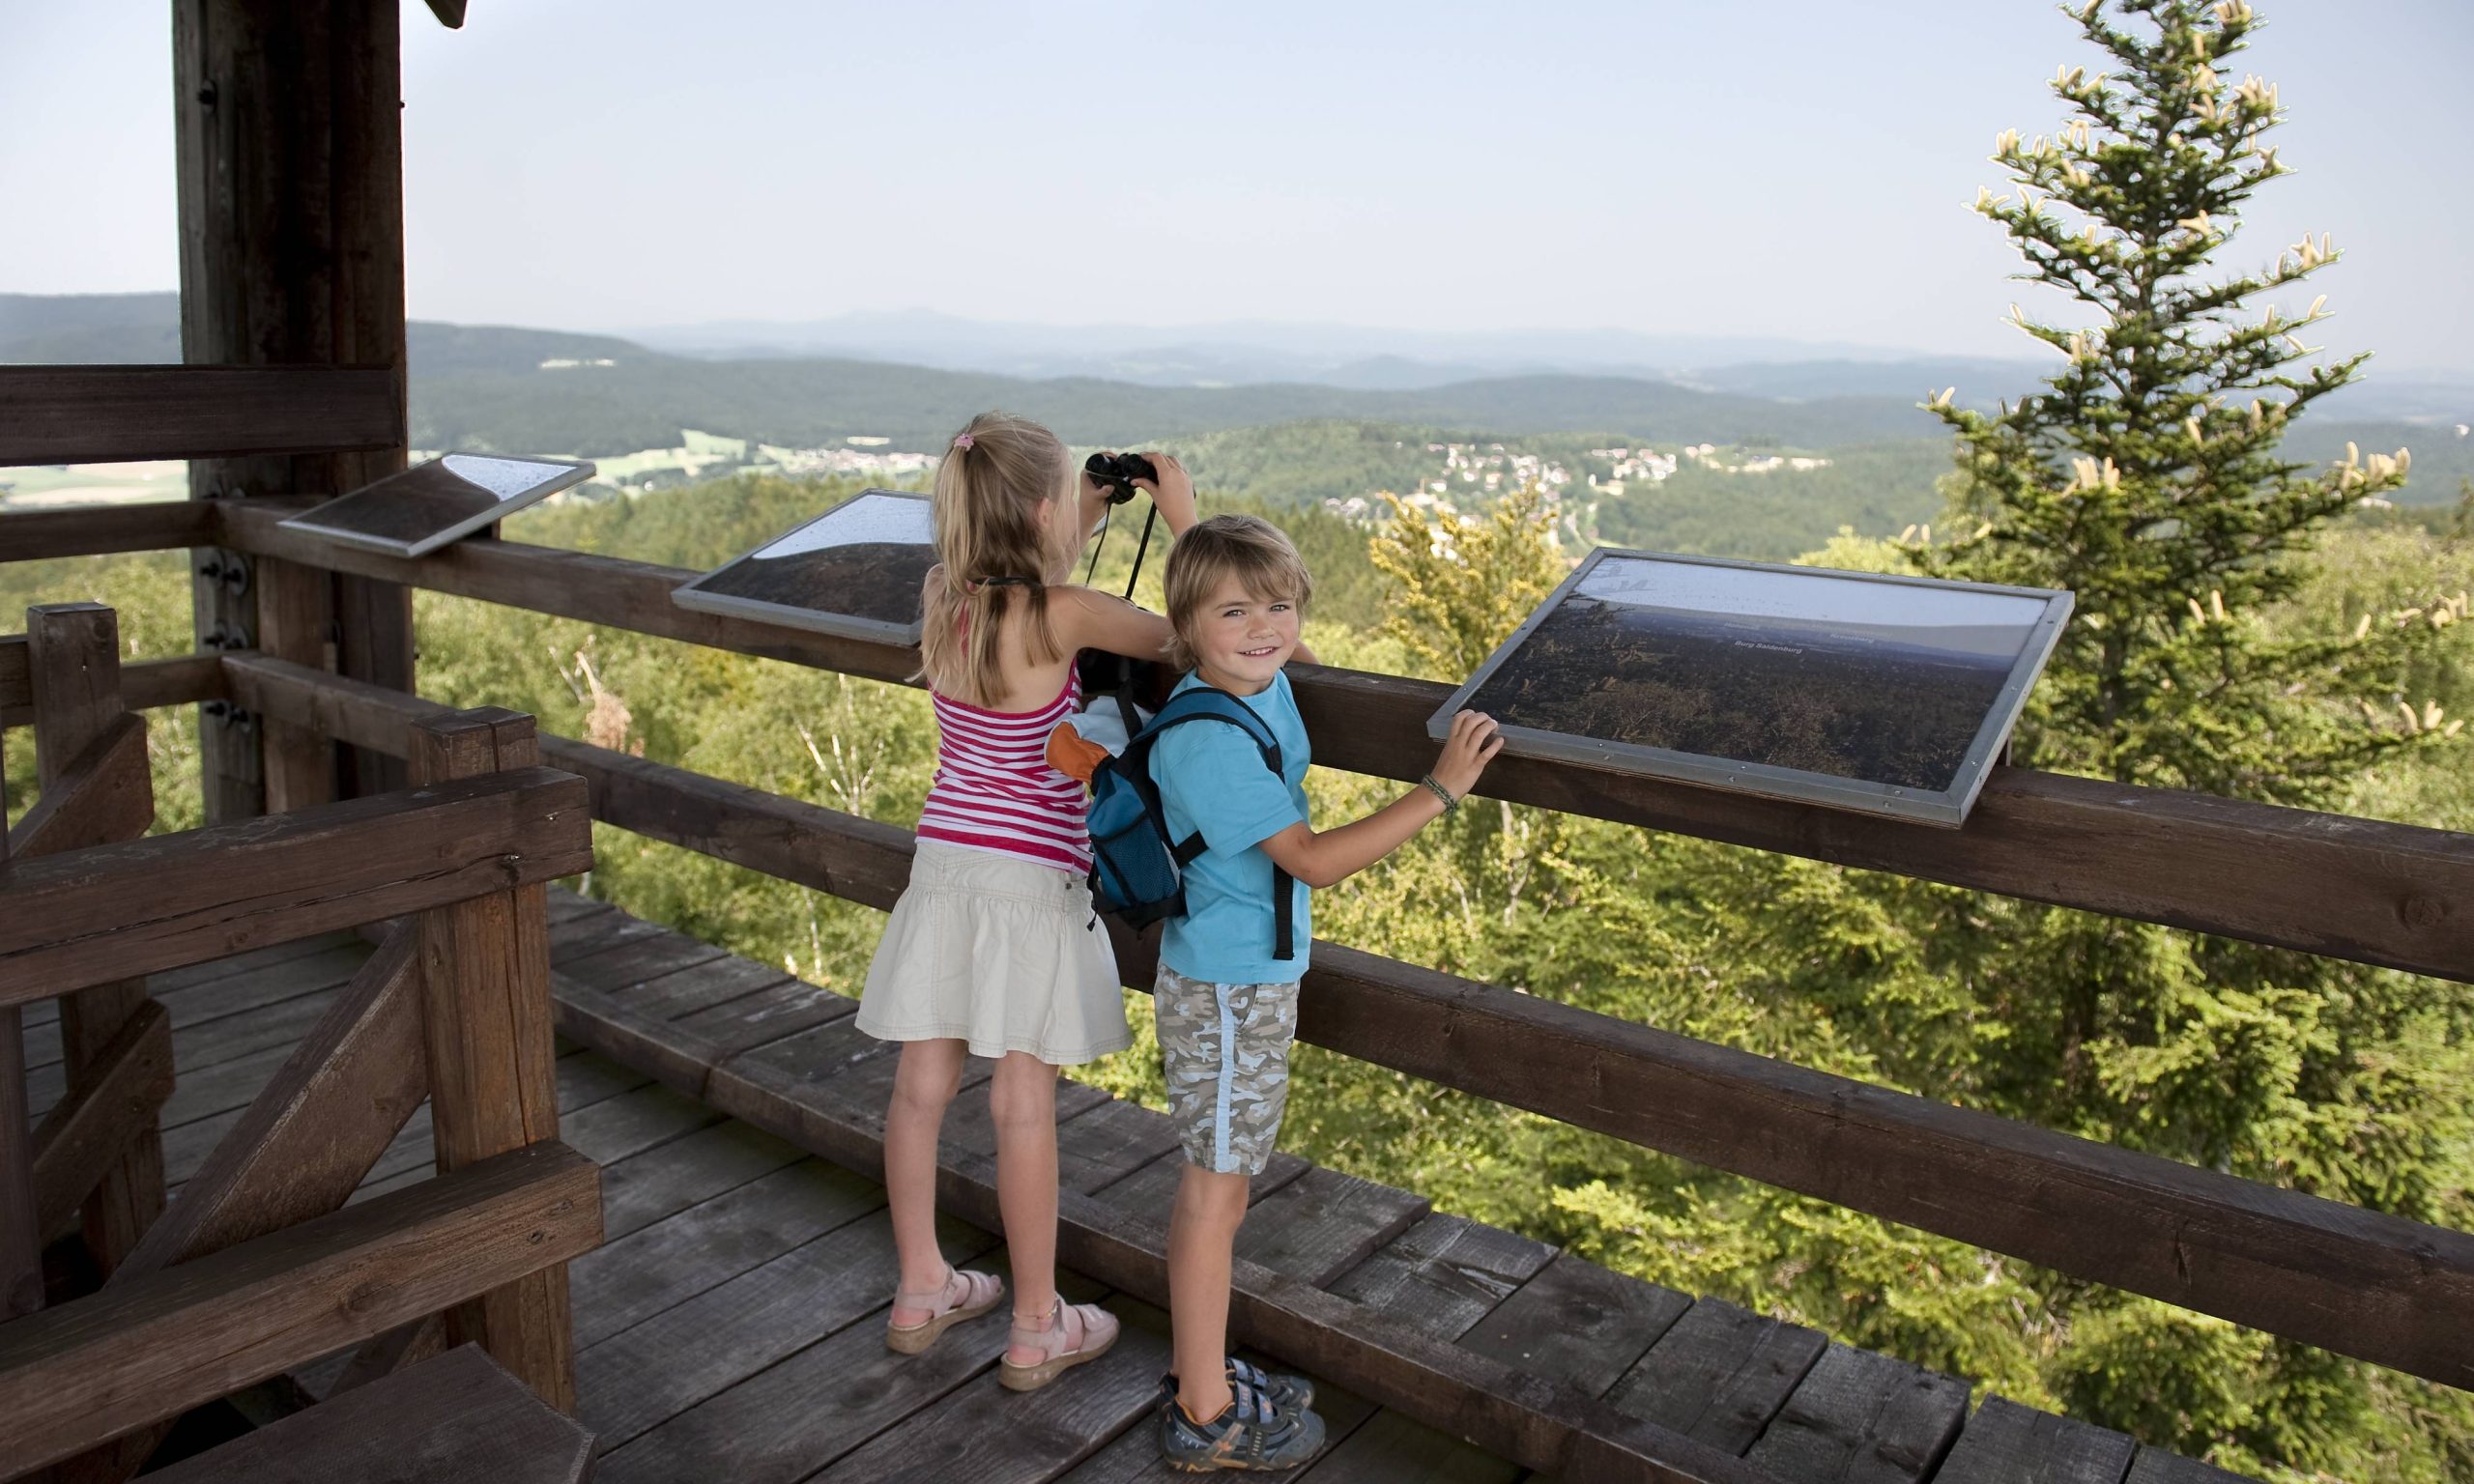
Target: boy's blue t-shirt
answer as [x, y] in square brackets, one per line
[1212, 778]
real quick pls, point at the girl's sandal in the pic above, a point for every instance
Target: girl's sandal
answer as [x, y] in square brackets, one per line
[1073, 1333]
[980, 1292]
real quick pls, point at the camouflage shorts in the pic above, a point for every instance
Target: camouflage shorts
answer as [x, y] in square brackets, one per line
[1224, 1048]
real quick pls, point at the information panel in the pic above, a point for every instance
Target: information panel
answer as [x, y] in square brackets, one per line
[855, 571]
[1890, 694]
[426, 506]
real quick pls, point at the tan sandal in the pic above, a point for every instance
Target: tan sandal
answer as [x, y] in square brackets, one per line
[1094, 1330]
[980, 1292]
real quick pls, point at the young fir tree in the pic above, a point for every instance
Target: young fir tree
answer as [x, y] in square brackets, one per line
[2146, 479]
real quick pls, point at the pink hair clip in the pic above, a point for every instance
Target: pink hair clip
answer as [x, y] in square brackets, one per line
[962, 439]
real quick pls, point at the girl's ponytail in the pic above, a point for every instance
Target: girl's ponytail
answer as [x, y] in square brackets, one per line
[996, 551]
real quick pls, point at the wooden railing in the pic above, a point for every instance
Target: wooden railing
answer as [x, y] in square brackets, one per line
[259, 1267]
[2393, 1292]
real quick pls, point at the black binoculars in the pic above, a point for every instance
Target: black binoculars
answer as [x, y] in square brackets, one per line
[1116, 473]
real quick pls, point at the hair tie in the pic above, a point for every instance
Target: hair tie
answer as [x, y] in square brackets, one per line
[973, 584]
[962, 439]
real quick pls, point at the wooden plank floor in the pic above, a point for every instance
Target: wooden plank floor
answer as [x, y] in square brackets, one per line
[731, 1326]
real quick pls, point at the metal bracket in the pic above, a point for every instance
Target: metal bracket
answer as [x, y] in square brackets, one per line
[227, 569]
[227, 637]
[230, 715]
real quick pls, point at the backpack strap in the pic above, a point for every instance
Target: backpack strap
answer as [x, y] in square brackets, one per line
[1205, 703]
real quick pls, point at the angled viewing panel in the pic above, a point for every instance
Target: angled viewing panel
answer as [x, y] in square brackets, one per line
[855, 572]
[1888, 695]
[436, 501]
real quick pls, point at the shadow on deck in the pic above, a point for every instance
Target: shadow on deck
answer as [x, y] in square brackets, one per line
[730, 1327]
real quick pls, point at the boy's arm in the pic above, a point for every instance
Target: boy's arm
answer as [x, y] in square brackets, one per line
[1321, 859]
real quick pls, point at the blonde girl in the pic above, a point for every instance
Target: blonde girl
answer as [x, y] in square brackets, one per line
[993, 949]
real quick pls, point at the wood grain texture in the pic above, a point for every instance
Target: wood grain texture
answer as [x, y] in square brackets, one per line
[87, 758]
[1577, 1322]
[105, 795]
[87, 1134]
[1720, 1374]
[311, 1134]
[20, 1228]
[2007, 1444]
[456, 1416]
[1865, 1419]
[486, 1021]
[75, 1376]
[107, 415]
[2379, 893]
[144, 685]
[2154, 1466]
[383, 1355]
[1444, 1274]
[116, 911]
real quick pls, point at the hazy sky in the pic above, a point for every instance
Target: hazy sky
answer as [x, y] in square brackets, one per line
[1793, 168]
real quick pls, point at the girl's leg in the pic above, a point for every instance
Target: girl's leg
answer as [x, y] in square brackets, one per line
[1021, 1099]
[924, 1081]
[1202, 1236]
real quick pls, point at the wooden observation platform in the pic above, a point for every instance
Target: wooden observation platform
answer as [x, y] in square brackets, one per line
[337, 1125]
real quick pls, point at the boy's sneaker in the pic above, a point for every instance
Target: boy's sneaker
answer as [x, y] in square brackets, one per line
[1251, 1433]
[1287, 1393]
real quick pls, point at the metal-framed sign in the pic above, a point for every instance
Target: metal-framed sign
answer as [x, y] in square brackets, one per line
[855, 571]
[1886, 694]
[437, 500]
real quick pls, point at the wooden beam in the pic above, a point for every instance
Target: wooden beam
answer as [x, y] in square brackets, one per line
[2379, 1287]
[107, 913]
[2393, 895]
[310, 1136]
[105, 795]
[40, 536]
[144, 685]
[492, 1053]
[16, 678]
[21, 1227]
[140, 1352]
[86, 1134]
[73, 655]
[353, 711]
[455, 1418]
[399, 1349]
[101, 414]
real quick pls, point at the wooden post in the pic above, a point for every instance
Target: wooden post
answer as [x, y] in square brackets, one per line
[288, 116]
[20, 1234]
[73, 649]
[486, 1025]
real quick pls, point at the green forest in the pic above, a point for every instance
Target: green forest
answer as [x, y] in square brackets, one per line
[2255, 618]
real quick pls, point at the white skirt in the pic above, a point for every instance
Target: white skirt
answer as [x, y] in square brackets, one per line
[998, 951]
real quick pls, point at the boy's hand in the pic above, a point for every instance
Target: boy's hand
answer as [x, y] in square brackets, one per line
[1472, 744]
[1173, 492]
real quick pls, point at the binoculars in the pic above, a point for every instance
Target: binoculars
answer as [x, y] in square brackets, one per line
[1116, 473]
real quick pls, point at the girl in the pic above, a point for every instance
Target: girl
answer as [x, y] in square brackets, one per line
[994, 949]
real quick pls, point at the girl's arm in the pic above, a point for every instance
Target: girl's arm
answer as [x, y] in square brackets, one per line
[1173, 493]
[1099, 620]
[1323, 859]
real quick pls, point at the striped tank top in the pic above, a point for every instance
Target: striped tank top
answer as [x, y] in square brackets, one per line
[994, 790]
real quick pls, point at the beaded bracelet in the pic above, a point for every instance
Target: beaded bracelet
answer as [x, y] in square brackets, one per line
[1441, 792]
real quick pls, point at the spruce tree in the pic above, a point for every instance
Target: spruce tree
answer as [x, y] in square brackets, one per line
[2146, 477]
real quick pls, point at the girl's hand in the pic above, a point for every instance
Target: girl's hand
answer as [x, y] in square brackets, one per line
[1173, 492]
[1473, 743]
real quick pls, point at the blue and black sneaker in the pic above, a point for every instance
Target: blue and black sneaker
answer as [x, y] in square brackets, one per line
[1252, 1432]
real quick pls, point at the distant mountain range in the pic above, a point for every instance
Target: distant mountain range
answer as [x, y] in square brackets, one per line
[912, 379]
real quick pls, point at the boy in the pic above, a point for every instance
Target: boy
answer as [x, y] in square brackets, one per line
[1226, 994]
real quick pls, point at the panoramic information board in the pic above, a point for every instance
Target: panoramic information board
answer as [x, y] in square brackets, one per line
[1890, 695]
[855, 571]
[439, 500]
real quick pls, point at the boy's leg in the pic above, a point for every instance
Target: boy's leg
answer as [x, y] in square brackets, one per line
[923, 1083]
[1021, 1100]
[1202, 1233]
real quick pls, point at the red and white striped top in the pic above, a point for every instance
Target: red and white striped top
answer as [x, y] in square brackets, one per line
[994, 790]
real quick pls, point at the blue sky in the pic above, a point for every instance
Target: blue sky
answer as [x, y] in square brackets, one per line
[1795, 168]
